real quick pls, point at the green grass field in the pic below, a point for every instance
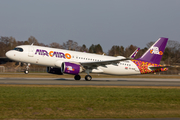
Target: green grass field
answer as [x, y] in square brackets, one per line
[55, 102]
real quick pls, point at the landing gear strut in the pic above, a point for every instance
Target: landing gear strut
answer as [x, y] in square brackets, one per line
[77, 77]
[26, 71]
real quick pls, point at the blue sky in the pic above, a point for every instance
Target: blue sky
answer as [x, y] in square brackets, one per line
[105, 22]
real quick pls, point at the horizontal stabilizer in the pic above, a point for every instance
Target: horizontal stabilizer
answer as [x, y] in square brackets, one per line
[154, 68]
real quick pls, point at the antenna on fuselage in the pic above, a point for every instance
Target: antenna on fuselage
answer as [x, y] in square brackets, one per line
[32, 44]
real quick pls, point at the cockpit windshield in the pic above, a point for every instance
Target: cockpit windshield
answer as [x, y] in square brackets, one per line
[18, 49]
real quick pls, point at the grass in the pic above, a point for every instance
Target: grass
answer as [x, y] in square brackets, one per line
[56, 102]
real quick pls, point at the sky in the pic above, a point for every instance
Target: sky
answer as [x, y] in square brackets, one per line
[104, 22]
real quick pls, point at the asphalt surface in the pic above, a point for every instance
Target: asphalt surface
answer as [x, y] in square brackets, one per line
[94, 82]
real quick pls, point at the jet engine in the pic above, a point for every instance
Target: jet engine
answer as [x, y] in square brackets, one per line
[71, 68]
[54, 70]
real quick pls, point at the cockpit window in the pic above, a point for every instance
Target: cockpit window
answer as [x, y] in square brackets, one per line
[18, 49]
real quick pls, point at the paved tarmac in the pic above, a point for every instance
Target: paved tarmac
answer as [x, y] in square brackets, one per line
[94, 82]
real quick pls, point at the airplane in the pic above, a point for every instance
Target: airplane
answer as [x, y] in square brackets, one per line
[60, 61]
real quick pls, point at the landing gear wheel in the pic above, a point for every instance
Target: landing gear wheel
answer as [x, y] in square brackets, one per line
[88, 78]
[26, 71]
[77, 77]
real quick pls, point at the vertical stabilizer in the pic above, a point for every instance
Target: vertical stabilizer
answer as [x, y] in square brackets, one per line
[155, 52]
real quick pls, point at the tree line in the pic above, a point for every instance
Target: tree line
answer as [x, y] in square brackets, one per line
[171, 54]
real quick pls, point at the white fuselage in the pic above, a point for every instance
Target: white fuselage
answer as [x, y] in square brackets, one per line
[53, 57]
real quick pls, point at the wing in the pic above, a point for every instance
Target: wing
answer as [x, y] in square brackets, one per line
[95, 64]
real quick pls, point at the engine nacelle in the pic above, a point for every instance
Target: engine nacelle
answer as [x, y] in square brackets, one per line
[54, 70]
[71, 68]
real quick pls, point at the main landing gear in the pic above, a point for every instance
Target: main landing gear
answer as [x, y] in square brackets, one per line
[77, 77]
[87, 77]
[26, 71]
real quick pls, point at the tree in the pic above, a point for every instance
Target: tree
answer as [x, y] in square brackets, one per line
[33, 40]
[92, 49]
[149, 44]
[12, 43]
[172, 52]
[83, 48]
[6, 43]
[141, 52]
[71, 45]
[116, 51]
[129, 50]
[96, 49]
[56, 45]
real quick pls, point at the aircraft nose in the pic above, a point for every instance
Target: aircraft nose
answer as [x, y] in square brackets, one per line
[8, 54]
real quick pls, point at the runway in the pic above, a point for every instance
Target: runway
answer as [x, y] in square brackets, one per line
[94, 82]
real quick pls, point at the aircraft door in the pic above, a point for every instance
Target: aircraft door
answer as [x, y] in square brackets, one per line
[31, 51]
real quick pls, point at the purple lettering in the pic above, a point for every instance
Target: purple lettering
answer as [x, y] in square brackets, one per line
[62, 55]
[56, 54]
[44, 52]
[38, 51]
[59, 54]
[41, 52]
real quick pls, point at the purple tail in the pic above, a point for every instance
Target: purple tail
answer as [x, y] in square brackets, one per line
[155, 52]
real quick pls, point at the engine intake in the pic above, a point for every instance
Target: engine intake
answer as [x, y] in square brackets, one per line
[71, 68]
[54, 70]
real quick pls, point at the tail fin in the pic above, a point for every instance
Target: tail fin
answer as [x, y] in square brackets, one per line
[155, 52]
[134, 53]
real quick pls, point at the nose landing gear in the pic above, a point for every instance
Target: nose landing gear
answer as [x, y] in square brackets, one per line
[26, 71]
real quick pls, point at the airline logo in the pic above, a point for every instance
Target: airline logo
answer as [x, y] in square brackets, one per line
[70, 68]
[155, 50]
[53, 54]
